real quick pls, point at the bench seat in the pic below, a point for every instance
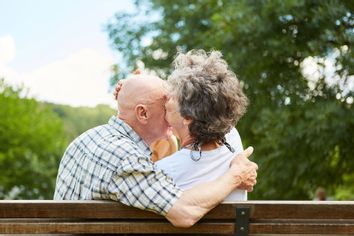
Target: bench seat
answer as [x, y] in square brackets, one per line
[241, 218]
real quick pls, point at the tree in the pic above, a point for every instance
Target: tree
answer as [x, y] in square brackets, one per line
[77, 120]
[31, 145]
[300, 123]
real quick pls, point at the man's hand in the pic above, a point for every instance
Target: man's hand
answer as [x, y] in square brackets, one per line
[120, 84]
[244, 170]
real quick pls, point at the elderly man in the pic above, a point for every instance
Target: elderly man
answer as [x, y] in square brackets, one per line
[112, 161]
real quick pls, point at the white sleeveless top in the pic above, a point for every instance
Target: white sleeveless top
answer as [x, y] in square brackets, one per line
[186, 173]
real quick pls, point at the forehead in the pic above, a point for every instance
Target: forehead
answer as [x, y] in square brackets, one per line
[169, 93]
[172, 102]
[160, 99]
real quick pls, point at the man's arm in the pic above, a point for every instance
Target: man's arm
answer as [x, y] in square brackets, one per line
[197, 201]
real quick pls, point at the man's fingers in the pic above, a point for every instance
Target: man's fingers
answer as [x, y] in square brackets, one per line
[253, 165]
[118, 88]
[137, 72]
[246, 153]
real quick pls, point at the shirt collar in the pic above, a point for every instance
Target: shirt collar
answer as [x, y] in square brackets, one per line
[126, 130]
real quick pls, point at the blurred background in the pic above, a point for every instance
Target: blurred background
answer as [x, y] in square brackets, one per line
[59, 61]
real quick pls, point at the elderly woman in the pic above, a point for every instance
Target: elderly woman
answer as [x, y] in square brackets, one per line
[205, 102]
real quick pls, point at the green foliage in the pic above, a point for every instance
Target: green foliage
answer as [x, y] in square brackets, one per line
[300, 125]
[33, 137]
[31, 144]
[307, 146]
[79, 119]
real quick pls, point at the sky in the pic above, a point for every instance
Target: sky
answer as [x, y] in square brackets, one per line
[58, 49]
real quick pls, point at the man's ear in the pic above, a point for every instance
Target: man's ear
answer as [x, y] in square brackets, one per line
[141, 113]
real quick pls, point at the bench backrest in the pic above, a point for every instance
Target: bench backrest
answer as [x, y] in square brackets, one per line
[243, 218]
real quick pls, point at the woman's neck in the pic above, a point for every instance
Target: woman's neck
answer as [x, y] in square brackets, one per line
[187, 141]
[205, 147]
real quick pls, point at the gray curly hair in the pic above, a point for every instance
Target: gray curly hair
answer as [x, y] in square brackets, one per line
[208, 93]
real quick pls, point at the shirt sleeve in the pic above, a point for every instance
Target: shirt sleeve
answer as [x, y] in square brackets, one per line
[140, 184]
[234, 139]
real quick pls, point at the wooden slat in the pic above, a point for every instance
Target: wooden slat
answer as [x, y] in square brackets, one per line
[106, 227]
[72, 209]
[41, 227]
[266, 217]
[303, 210]
[297, 228]
[113, 210]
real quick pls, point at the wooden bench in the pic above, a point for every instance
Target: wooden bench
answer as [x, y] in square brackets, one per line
[241, 218]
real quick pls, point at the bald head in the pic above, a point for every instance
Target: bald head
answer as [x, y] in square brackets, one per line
[141, 103]
[140, 89]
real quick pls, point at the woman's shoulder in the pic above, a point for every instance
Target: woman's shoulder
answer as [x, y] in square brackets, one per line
[172, 160]
[234, 139]
[232, 135]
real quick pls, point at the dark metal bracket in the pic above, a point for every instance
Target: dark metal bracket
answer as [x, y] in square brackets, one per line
[242, 221]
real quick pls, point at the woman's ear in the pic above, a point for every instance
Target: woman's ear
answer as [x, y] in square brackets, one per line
[187, 121]
[141, 113]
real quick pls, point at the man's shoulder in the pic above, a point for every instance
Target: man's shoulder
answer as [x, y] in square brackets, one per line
[98, 132]
[106, 137]
[102, 137]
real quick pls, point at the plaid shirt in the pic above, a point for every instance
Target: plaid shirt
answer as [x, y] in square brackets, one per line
[112, 162]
